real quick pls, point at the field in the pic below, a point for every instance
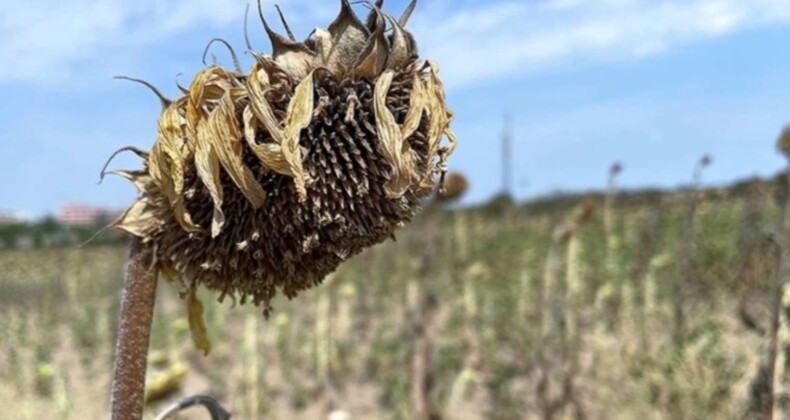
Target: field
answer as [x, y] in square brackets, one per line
[646, 306]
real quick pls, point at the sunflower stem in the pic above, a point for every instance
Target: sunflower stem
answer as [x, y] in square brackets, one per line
[134, 332]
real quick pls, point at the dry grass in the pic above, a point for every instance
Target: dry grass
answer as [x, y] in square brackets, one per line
[58, 312]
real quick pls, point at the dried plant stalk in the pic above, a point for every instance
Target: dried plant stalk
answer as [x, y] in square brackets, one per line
[128, 387]
[688, 259]
[609, 297]
[252, 367]
[324, 346]
[779, 335]
[549, 288]
[574, 273]
[642, 273]
[423, 328]
[561, 297]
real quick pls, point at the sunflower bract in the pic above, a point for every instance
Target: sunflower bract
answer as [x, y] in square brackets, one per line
[267, 180]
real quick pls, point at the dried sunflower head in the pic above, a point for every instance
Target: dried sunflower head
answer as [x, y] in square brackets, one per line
[268, 179]
[784, 142]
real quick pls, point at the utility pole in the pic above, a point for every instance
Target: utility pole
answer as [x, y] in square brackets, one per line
[507, 138]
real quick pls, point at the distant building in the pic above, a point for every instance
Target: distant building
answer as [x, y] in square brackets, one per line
[11, 217]
[83, 214]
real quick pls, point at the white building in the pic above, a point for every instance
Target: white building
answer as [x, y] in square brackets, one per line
[83, 214]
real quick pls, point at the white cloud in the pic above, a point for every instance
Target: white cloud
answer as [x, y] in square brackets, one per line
[517, 37]
[44, 39]
[48, 40]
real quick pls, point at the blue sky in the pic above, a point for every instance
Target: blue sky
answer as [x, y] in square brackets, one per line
[654, 84]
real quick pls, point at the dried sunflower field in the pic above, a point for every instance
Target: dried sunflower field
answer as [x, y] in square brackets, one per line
[306, 252]
[600, 307]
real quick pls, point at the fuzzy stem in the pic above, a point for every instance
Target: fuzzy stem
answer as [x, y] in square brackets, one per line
[549, 289]
[775, 356]
[134, 332]
[422, 328]
[252, 366]
[609, 297]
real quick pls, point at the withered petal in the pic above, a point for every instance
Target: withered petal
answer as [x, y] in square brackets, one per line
[416, 107]
[391, 138]
[300, 113]
[270, 154]
[197, 325]
[227, 137]
[141, 219]
[208, 166]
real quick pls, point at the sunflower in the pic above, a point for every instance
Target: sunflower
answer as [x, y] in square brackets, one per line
[266, 180]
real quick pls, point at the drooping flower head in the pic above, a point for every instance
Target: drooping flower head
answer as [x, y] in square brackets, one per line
[783, 144]
[267, 180]
[455, 185]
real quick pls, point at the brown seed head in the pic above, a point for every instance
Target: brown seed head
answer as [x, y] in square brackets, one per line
[454, 187]
[616, 169]
[267, 180]
[784, 142]
[581, 215]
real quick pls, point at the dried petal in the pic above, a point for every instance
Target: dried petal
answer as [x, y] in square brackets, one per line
[270, 154]
[391, 139]
[207, 165]
[257, 84]
[139, 220]
[227, 136]
[416, 107]
[166, 163]
[168, 271]
[197, 325]
[300, 112]
[439, 116]
[299, 115]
